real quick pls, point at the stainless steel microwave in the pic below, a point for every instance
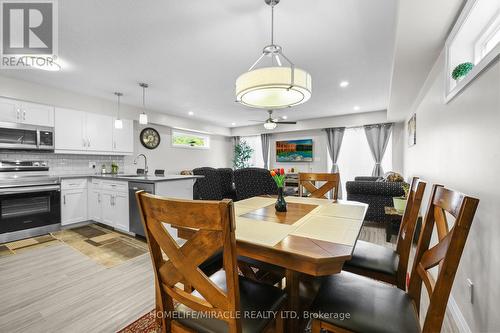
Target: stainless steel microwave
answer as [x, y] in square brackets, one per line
[26, 137]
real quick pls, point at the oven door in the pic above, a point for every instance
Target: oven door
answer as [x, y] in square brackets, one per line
[29, 207]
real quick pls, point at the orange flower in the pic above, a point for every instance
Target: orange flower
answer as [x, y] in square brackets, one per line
[273, 173]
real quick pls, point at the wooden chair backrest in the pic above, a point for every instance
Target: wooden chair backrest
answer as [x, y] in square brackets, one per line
[331, 180]
[446, 253]
[214, 221]
[407, 228]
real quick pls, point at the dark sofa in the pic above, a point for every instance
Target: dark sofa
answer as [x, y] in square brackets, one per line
[377, 194]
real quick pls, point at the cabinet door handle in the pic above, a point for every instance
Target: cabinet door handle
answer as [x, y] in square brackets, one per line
[88, 142]
[18, 111]
[114, 144]
[24, 114]
[84, 143]
[64, 199]
[98, 197]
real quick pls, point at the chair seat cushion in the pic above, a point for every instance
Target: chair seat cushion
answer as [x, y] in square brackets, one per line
[253, 297]
[374, 257]
[212, 264]
[372, 306]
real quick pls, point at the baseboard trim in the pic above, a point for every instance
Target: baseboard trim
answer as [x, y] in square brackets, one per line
[458, 317]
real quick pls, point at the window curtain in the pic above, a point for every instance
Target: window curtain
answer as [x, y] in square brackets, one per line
[378, 137]
[334, 137]
[265, 141]
[236, 140]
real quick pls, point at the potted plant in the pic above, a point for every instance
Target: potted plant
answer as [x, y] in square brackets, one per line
[242, 153]
[400, 202]
[279, 177]
[461, 71]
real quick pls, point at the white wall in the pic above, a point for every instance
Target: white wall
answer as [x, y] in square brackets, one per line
[33, 92]
[174, 159]
[458, 146]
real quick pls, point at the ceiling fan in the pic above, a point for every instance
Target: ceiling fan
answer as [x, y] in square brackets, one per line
[271, 123]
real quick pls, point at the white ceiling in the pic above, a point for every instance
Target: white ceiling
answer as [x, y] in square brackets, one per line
[191, 52]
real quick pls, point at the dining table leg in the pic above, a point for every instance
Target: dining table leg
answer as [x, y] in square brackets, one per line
[292, 289]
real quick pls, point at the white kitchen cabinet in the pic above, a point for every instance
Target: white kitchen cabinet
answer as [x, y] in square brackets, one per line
[69, 130]
[37, 114]
[123, 138]
[12, 110]
[73, 201]
[98, 132]
[121, 213]
[95, 200]
[114, 202]
[9, 110]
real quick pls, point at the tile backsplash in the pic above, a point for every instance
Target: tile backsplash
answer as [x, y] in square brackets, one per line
[67, 163]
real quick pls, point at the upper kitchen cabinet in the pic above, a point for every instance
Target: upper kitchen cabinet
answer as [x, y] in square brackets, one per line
[26, 113]
[69, 130]
[123, 138]
[79, 132]
[98, 131]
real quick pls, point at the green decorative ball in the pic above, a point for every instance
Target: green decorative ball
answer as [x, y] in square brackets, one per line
[462, 70]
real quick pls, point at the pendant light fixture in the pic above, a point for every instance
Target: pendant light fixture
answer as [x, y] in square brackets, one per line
[143, 117]
[273, 87]
[118, 120]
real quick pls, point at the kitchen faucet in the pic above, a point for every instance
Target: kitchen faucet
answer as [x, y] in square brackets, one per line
[145, 162]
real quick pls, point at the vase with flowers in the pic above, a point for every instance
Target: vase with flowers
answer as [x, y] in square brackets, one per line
[279, 177]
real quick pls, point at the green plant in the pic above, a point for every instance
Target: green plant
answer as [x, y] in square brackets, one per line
[242, 153]
[406, 188]
[462, 70]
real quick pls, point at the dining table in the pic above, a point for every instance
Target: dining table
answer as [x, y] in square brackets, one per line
[313, 238]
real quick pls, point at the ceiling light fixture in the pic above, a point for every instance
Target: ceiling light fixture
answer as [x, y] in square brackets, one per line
[118, 121]
[270, 125]
[344, 84]
[284, 117]
[191, 113]
[233, 124]
[356, 108]
[273, 87]
[143, 117]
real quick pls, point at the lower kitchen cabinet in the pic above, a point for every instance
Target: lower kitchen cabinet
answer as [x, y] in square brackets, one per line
[108, 204]
[95, 204]
[73, 201]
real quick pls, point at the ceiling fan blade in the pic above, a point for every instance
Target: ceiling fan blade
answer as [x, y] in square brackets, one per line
[286, 122]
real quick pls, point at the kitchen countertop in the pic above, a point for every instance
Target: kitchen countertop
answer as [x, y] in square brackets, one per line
[129, 177]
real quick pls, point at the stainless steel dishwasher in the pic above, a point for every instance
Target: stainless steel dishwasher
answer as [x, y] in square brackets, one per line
[135, 219]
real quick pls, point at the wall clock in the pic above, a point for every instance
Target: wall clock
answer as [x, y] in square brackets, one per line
[150, 138]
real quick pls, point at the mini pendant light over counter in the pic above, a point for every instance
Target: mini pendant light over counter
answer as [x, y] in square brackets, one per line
[143, 117]
[118, 120]
[273, 87]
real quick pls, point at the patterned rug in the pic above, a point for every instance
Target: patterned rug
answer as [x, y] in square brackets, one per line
[145, 324]
[104, 246]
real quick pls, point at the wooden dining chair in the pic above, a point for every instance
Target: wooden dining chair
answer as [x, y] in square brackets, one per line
[374, 306]
[382, 263]
[218, 299]
[308, 180]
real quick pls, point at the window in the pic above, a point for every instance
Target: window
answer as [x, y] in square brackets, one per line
[255, 143]
[474, 39]
[190, 140]
[355, 157]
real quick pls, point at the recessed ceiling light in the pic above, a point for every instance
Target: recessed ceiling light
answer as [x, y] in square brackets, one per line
[284, 117]
[233, 124]
[356, 107]
[344, 84]
[191, 113]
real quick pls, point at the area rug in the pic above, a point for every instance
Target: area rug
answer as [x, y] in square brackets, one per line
[27, 244]
[104, 246]
[145, 324]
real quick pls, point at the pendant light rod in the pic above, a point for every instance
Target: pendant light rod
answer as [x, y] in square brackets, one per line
[119, 95]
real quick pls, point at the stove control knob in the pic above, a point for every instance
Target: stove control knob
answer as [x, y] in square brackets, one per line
[35, 164]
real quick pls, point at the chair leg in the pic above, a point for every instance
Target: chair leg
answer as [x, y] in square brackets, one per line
[316, 326]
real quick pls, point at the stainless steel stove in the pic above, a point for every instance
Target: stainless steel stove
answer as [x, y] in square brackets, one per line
[30, 200]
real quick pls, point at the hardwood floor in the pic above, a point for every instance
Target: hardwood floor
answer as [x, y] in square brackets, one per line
[58, 289]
